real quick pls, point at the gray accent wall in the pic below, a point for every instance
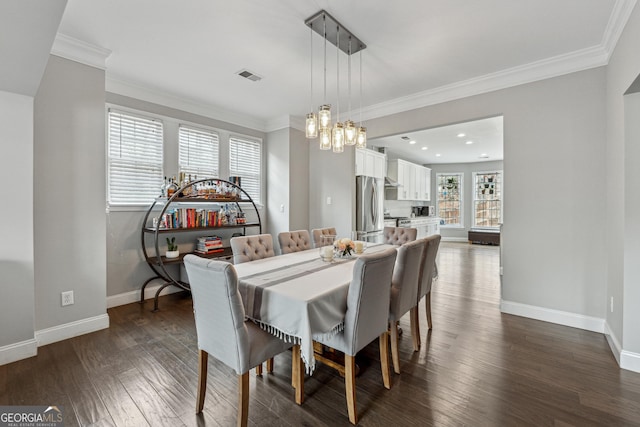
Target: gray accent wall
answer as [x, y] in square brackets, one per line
[16, 221]
[467, 169]
[554, 143]
[288, 181]
[69, 193]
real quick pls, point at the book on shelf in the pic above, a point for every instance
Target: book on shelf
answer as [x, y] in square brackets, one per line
[209, 251]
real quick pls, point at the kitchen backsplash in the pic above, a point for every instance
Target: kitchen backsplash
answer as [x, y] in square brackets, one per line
[400, 207]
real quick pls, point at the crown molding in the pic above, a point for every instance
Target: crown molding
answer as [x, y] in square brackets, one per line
[80, 51]
[126, 88]
[622, 10]
[286, 121]
[547, 68]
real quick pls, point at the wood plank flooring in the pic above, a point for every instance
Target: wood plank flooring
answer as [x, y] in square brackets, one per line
[477, 367]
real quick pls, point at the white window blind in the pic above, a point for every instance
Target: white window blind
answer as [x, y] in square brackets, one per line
[135, 158]
[245, 161]
[198, 152]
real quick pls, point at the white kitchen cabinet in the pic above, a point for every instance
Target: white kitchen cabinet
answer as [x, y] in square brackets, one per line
[414, 181]
[370, 163]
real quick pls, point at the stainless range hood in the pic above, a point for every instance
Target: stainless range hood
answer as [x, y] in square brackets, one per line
[390, 183]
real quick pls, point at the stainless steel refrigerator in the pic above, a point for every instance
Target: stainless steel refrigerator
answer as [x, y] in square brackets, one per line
[369, 208]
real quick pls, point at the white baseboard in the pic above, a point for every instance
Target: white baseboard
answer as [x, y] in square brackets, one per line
[626, 359]
[565, 318]
[18, 351]
[72, 329]
[455, 239]
[613, 342]
[134, 296]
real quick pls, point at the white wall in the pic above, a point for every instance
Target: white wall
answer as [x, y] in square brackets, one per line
[16, 228]
[69, 194]
[332, 175]
[554, 133]
[299, 180]
[277, 164]
[622, 279]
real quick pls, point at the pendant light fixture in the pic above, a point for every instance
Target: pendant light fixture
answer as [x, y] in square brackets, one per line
[335, 136]
[311, 125]
[361, 137]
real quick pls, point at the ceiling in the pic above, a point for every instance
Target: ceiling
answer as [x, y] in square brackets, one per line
[475, 141]
[419, 52]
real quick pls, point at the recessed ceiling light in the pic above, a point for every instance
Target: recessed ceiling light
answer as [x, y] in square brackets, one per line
[469, 142]
[484, 155]
[412, 142]
[425, 148]
[438, 155]
[462, 135]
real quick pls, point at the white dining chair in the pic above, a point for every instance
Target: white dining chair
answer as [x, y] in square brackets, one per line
[365, 320]
[320, 233]
[404, 288]
[251, 248]
[399, 235]
[222, 329]
[427, 274]
[294, 241]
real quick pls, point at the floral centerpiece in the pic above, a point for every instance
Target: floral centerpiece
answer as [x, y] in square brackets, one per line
[343, 247]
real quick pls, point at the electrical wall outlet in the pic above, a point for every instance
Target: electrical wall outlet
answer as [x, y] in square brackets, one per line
[67, 298]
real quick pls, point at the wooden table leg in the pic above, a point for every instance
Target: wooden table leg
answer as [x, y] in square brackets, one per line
[297, 374]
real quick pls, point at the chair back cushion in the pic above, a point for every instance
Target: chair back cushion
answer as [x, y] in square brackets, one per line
[318, 233]
[432, 243]
[368, 300]
[218, 311]
[251, 248]
[399, 235]
[406, 276]
[294, 241]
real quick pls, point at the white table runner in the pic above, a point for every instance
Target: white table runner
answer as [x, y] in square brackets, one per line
[297, 296]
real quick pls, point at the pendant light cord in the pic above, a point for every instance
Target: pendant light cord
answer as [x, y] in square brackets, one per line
[324, 20]
[311, 66]
[338, 73]
[360, 87]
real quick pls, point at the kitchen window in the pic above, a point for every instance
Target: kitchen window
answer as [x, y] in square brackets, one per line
[487, 200]
[449, 203]
[245, 161]
[134, 158]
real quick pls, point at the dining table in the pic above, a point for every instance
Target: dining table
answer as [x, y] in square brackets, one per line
[299, 296]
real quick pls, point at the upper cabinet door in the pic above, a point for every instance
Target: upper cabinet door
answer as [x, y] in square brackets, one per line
[370, 163]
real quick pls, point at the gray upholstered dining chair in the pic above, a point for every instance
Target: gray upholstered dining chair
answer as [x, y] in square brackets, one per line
[399, 235]
[427, 274]
[365, 320]
[251, 248]
[222, 329]
[404, 288]
[318, 233]
[294, 241]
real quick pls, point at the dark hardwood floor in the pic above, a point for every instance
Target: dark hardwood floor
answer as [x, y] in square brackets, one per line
[477, 367]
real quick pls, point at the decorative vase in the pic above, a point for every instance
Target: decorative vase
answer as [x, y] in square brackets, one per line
[172, 254]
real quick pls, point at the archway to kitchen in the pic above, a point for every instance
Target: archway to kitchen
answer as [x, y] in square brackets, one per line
[464, 196]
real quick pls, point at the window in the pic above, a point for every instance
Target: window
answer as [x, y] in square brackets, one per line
[245, 160]
[134, 158]
[449, 198]
[487, 199]
[198, 152]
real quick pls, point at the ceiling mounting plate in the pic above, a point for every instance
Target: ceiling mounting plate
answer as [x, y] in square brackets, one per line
[317, 23]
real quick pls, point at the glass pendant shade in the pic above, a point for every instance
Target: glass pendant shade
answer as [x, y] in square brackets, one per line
[337, 138]
[324, 117]
[350, 132]
[361, 139]
[312, 126]
[325, 139]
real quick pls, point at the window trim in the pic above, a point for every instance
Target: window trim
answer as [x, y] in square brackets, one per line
[460, 225]
[473, 201]
[137, 205]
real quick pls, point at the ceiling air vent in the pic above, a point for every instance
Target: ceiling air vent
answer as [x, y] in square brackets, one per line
[249, 75]
[406, 138]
